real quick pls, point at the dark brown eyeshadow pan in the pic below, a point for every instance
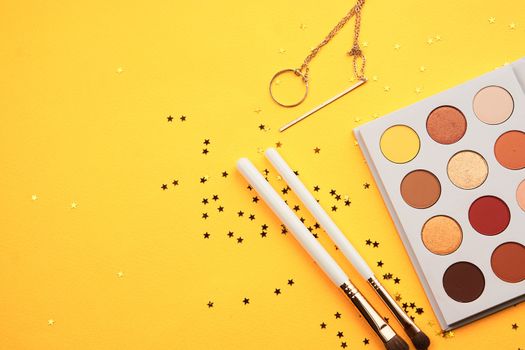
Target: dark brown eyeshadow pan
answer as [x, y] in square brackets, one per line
[463, 282]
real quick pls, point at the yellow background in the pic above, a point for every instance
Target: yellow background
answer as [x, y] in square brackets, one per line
[85, 90]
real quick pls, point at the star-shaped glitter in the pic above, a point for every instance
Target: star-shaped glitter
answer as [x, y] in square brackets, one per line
[246, 301]
[34, 197]
[215, 197]
[210, 304]
[264, 227]
[398, 297]
[239, 240]
[368, 241]
[366, 185]
[418, 90]
[323, 325]
[317, 150]
[512, 26]
[316, 188]
[206, 142]
[296, 208]
[205, 216]
[285, 190]
[343, 345]
[291, 282]
[397, 280]
[240, 213]
[340, 334]
[386, 88]
[263, 234]
[278, 144]
[225, 174]
[74, 205]
[492, 20]
[182, 118]
[205, 201]
[281, 50]
[255, 199]
[220, 209]
[337, 315]
[375, 244]
[430, 41]
[261, 126]
[397, 46]
[252, 217]
[347, 202]
[205, 151]
[515, 326]
[203, 179]
[50, 322]
[380, 263]
[175, 182]
[422, 69]
[164, 187]
[230, 234]
[120, 274]
[277, 291]
[334, 208]
[419, 310]
[169, 118]
[366, 341]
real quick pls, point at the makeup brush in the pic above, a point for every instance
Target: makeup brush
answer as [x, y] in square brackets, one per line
[419, 339]
[391, 340]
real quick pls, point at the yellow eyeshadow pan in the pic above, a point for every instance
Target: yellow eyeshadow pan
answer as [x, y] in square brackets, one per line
[400, 144]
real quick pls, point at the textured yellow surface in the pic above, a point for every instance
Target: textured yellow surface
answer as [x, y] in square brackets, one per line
[95, 255]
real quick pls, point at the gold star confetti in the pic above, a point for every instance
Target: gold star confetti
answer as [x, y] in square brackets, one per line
[357, 119]
[418, 90]
[257, 110]
[317, 150]
[430, 41]
[34, 197]
[260, 150]
[120, 70]
[375, 78]
[278, 144]
[386, 88]
[492, 20]
[281, 50]
[397, 46]
[74, 205]
[422, 69]
[448, 334]
[302, 26]
[512, 26]
[120, 274]
[50, 322]
[365, 44]
[437, 37]
[398, 297]
[277, 82]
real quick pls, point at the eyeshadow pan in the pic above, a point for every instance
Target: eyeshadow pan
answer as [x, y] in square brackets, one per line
[493, 105]
[420, 189]
[467, 170]
[489, 215]
[441, 235]
[510, 150]
[520, 195]
[508, 262]
[399, 144]
[463, 282]
[446, 125]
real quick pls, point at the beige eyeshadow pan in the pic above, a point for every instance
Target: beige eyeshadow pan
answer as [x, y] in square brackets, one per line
[493, 105]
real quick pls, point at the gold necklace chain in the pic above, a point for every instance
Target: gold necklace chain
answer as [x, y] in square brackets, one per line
[359, 60]
[355, 52]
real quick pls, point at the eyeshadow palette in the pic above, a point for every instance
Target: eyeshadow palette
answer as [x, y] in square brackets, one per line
[451, 170]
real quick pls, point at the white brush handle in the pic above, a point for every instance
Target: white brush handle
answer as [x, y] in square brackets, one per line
[288, 218]
[318, 212]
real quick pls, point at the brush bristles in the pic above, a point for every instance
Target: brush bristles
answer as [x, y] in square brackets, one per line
[396, 343]
[420, 341]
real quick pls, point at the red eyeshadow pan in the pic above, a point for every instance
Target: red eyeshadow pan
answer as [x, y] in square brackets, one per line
[489, 215]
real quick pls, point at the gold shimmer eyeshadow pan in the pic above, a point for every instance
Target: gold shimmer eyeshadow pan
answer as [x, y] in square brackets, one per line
[451, 170]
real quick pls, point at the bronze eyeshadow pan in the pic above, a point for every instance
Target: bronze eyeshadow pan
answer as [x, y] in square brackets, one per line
[451, 170]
